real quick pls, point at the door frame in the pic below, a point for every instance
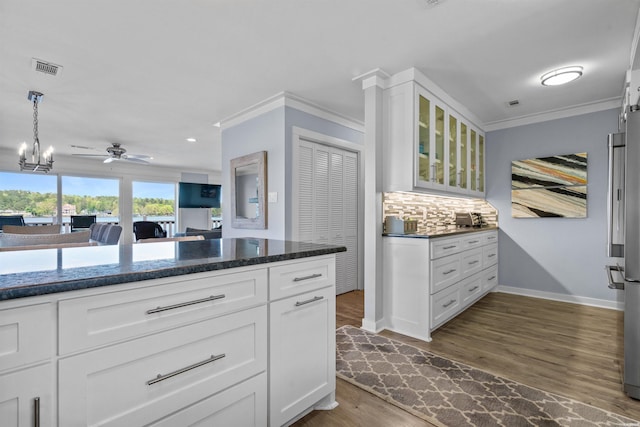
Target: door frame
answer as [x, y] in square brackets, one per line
[301, 134]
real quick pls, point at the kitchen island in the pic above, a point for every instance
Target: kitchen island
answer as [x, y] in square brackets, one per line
[223, 331]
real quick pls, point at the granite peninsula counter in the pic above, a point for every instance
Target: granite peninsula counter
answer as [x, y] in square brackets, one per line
[29, 273]
[171, 332]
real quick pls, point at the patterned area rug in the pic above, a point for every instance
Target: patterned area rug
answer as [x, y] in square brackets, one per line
[448, 393]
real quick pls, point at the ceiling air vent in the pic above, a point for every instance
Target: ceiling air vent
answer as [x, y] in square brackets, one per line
[46, 67]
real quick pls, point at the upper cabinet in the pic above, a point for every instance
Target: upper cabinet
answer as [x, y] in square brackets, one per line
[428, 145]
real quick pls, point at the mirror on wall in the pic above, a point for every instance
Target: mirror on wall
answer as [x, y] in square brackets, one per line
[249, 190]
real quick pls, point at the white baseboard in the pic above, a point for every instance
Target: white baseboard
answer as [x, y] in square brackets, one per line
[594, 302]
[373, 326]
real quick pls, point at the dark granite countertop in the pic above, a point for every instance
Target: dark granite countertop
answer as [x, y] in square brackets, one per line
[444, 232]
[43, 271]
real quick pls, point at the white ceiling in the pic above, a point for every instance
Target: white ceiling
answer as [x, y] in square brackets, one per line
[151, 73]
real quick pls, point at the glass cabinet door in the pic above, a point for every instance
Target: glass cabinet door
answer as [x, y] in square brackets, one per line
[481, 163]
[464, 156]
[439, 160]
[424, 117]
[473, 149]
[453, 152]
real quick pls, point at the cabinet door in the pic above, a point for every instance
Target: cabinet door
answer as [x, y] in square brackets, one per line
[463, 165]
[473, 161]
[453, 155]
[302, 353]
[425, 153]
[481, 163]
[26, 397]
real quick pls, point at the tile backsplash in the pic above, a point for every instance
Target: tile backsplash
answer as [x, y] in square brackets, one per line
[433, 212]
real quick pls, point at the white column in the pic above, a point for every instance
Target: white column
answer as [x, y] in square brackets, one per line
[373, 84]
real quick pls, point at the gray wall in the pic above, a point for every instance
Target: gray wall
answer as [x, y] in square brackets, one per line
[554, 255]
[272, 132]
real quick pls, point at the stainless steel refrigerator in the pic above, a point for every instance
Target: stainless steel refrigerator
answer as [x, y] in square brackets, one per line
[624, 237]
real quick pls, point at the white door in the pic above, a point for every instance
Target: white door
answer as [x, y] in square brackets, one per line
[327, 204]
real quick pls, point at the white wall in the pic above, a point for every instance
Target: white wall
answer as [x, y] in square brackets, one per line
[554, 257]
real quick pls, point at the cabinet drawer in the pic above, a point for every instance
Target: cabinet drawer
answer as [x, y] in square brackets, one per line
[471, 262]
[26, 335]
[242, 405]
[474, 240]
[142, 380]
[96, 320]
[489, 255]
[490, 237]
[445, 304]
[471, 289]
[445, 272]
[489, 278]
[294, 278]
[443, 247]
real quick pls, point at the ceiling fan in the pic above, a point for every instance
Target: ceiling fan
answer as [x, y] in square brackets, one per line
[117, 152]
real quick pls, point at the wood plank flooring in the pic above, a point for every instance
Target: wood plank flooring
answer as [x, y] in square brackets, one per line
[569, 349]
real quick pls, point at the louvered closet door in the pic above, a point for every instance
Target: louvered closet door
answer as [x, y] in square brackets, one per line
[327, 202]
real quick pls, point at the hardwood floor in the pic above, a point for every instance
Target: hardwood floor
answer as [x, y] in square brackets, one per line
[568, 349]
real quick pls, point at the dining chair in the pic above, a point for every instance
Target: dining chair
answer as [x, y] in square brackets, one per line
[82, 222]
[147, 230]
[11, 220]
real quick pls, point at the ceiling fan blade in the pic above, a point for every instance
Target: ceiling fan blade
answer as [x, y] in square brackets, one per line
[135, 160]
[136, 156]
[108, 160]
[89, 155]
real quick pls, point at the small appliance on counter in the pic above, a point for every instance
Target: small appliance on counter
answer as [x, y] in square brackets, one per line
[395, 225]
[469, 219]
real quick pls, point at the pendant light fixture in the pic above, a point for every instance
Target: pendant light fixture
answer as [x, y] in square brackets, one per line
[561, 76]
[40, 162]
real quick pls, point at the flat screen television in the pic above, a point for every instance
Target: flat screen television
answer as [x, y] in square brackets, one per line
[192, 195]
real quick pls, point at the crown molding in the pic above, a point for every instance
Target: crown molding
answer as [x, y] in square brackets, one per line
[286, 99]
[576, 110]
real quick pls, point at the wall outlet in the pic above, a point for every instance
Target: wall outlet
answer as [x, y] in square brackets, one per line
[273, 197]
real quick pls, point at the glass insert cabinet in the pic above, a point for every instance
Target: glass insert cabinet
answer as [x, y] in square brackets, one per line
[449, 150]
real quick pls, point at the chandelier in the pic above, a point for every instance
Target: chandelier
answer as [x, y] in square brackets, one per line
[40, 162]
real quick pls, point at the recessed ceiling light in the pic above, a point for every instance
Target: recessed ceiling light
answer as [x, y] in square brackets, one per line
[217, 124]
[561, 76]
[191, 139]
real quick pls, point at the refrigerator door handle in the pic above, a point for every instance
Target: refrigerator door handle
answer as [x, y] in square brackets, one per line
[612, 282]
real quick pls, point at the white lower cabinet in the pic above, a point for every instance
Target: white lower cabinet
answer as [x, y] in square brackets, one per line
[430, 281]
[26, 397]
[302, 352]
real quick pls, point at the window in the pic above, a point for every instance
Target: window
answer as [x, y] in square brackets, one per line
[155, 201]
[33, 196]
[90, 196]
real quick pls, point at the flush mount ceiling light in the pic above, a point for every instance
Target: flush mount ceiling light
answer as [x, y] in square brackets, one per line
[40, 162]
[561, 76]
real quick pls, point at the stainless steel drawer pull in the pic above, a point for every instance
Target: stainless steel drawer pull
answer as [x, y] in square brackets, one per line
[449, 272]
[449, 303]
[184, 304]
[474, 241]
[473, 289]
[36, 412]
[314, 299]
[449, 247]
[311, 276]
[474, 262]
[491, 278]
[491, 255]
[161, 377]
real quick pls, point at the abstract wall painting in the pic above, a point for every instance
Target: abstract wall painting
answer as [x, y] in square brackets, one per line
[549, 187]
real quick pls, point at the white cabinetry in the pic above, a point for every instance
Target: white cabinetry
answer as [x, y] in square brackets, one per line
[429, 145]
[429, 281]
[26, 371]
[302, 338]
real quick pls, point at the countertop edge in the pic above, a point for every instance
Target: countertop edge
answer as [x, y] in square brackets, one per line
[87, 283]
[442, 233]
